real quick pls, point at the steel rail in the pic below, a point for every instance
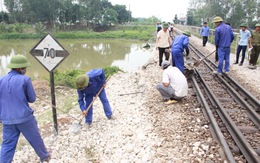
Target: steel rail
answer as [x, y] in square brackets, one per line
[246, 149]
[217, 132]
[255, 117]
[249, 97]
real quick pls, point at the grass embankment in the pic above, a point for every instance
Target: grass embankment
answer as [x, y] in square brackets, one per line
[123, 32]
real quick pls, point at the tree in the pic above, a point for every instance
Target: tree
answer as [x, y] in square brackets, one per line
[4, 17]
[110, 16]
[190, 17]
[49, 12]
[176, 20]
[123, 14]
[233, 11]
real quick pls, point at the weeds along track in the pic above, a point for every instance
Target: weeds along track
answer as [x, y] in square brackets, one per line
[232, 112]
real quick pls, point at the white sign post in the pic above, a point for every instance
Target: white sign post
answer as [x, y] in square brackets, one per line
[50, 54]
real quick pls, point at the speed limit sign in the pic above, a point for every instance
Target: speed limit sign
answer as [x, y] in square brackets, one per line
[49, 52]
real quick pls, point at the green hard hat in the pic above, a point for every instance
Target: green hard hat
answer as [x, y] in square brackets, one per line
[18, 61]
[165, 25]
[82, 82]
[243, 25]
[257, 25]
[186, 32]
[217, 19]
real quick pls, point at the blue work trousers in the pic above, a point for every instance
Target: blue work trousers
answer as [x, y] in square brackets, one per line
[30, 131]
[178, 60]
[106, 106]
[239, 48]
[223, 55]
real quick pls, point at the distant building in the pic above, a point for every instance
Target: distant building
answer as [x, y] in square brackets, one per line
[182, 20]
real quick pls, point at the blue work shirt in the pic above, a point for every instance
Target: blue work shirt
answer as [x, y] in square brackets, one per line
[96, 80]
[223, 36]
[244, 37]
[205, 31]
[180, 42]
[16, 92]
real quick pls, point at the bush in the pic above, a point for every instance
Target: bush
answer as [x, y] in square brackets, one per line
[3, 27]
[39, 28]
[68, 77]
[109, 71]
[18, 28]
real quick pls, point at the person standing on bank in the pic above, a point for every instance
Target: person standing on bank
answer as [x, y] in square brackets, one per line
[174, 85]
[158, 26]
[205, 32]
[242, 45]
[15, 113]
[223, 39]
[180, 43]
[163, 42]
[255, 44]
[88, 85]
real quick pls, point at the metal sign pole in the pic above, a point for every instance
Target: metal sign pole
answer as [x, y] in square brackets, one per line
[53, 101]
[50, 54]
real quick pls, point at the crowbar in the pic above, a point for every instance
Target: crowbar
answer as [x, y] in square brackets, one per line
[196, 64]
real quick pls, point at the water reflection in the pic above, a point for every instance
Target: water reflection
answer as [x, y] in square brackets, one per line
[84, 54]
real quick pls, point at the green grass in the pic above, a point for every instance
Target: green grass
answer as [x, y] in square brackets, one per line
[68, 77]
[122, 32]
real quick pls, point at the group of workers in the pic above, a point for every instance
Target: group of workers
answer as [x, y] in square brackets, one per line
[174, 84]
[17, 90]
[17, 116]
[223, 38]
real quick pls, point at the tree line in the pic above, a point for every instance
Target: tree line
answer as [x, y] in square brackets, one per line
[64, 11]
[234, 12]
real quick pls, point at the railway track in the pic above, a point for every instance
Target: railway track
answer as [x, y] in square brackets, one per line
[231, 111]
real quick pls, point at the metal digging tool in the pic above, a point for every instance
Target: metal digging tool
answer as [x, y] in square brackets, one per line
[196, 64]
[75, 128]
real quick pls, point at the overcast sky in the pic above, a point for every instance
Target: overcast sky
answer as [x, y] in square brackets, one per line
[163, 9]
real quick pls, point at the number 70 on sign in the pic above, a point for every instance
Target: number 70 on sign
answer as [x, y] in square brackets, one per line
[49, 52]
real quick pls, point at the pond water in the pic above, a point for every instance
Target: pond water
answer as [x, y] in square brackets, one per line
[84, 55]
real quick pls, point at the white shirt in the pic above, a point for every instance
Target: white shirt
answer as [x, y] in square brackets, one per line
[177, 81]
[245, 35]
[163, 39]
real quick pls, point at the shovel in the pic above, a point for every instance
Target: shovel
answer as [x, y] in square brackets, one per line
[196, 64]
[76, 126]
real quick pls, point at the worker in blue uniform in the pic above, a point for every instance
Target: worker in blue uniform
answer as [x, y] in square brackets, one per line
[223, 39]
[205, 32]
[88, 85]
[15, 113]
[180, 43]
